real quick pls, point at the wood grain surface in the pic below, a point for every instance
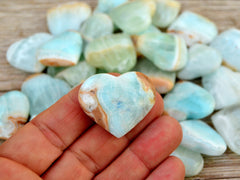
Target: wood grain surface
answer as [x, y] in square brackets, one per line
[21, 18]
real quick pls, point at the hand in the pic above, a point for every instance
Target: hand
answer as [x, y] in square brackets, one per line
[63, 143]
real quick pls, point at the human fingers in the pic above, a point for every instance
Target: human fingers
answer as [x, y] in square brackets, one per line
[39, 143]
[96, 149]
[170, 169]
[149, 149]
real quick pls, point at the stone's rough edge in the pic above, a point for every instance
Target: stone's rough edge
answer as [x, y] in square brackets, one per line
[220, 11]
[98, 111]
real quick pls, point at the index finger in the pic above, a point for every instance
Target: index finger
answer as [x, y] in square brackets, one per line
[40, 142]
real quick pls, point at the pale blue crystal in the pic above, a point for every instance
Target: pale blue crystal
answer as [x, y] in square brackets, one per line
[228, 44]
[133, 17]
[166, 12]
[14, 112]
[62, 50]
[168, 52]
[227, 123]
[117, 103]
[194, 28]
[96, 26]
[43, 91]
[22, 54]
[67, 16]
[200, 137]
[107, 5]
[76, 74]
[188, 101]
[224, 85]
[192, 161]
[202, 60]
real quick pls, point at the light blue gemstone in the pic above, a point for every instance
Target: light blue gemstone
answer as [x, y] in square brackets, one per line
[96, 26]
[106, 6]
[63, 50]
[117, 104]
[168, 52]
[227, 123]
[188, 101]
[43, 91]
[224, 86]
[202, 60]
[166, 12]
[76, 74]
[113, 53]
[133, 17]
[228, 44]
[22, 54]
[194, 28]
[68, 16]
[14, 112]
[200, 137]
[162, 80]
[192, 161]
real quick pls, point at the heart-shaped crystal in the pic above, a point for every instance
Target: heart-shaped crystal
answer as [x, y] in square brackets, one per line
[117, 104]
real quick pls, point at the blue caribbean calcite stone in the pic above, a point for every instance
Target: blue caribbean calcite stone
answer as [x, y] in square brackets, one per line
[43, 91]
[202, 60]
[134, 17]
[193, 161]
[107, 5]
[194, 28]
[22, 54]
[67, 16]
[224, 86]
[14, 112]
[227, 123]
[62, 50]
[166, 51]
[200, 137]
[188, 101]
[117, 104]
[228, 44]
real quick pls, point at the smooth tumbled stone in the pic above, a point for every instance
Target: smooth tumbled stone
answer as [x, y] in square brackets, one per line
[192, 161]
[202, 60]
[228, 44]
[194, 28]
[107, 5]
[76, 74]
[166, 12]
[96, 26]
[68, 16]
[162, 80]
[22, 54]
[43, 91]
[224, 85]
[14, 111]
[200, 137]
[227, 123]
[168, 52]
[188, 101]
[134, 17]
[113, 53]
[117, 104]
[62, 50]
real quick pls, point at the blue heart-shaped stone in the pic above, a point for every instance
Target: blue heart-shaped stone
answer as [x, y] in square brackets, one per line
[117, 104]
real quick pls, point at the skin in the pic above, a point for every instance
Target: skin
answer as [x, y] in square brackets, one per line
[64, 143]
